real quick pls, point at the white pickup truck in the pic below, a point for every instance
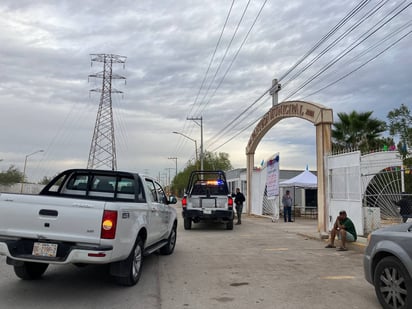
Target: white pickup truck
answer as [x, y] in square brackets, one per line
[86, 216]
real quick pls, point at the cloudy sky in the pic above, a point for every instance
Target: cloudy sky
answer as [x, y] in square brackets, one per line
[190, 59]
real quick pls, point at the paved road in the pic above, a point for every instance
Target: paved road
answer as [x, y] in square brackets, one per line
[259, 264]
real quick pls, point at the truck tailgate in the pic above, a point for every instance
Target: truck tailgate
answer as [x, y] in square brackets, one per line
[208, 202]
[51, 218]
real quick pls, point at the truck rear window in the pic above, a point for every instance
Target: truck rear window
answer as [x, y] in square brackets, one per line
[210, 187]
[104, 186]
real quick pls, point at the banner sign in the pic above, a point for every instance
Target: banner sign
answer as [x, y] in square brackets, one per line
[272, 179]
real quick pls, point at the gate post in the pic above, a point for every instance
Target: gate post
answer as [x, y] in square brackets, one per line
[250, 157]
[323, 147]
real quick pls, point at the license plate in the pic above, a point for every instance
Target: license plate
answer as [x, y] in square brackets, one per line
[44, 249]
[207, 211]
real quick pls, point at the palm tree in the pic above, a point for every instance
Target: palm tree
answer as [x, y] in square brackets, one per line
[357, 131]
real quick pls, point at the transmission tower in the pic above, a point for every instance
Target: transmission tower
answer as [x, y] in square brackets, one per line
[103, 146]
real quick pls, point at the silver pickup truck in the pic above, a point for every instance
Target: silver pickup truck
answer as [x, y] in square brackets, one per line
[207, 198]
[86, 216]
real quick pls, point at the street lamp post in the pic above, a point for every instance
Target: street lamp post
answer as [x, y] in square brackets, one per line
[24, 168]
[193, 140]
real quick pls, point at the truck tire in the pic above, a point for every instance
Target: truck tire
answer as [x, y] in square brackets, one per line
[134, 263]
[229, 225]
[30, 270]
[171, 242]
[188, 223]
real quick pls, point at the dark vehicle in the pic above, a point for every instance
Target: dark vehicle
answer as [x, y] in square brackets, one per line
[207, 198]
[388, 265]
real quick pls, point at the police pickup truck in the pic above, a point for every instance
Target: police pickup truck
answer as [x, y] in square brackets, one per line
[86, 216]
[207, 198]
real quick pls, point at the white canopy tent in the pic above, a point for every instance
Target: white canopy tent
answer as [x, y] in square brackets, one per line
[304, 180]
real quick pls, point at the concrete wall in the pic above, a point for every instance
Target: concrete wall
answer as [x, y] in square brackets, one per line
[28, 188]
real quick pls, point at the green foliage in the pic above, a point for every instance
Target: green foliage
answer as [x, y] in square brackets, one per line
[357, 131]
[382, 143]
[400, 124]
[211, 161]
[11, 176]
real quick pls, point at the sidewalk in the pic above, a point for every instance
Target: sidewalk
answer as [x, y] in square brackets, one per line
[309, 228]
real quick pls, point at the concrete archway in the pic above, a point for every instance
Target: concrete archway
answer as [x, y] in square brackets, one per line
[317, 114]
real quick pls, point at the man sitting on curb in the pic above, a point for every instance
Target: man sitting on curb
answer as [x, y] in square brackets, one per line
[345, 229]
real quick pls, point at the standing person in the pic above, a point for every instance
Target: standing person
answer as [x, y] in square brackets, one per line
[239, 199]
[287, 201]
[405, 207]
[345, 229]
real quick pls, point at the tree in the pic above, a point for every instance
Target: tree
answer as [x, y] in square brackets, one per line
[11, 176]
[357, 131]
[211, 161]
[400, 124]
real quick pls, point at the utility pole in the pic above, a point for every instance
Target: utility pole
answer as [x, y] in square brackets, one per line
[168, 181]
[103, 146]
[24, 168]
[274, 91]
[174, 158]
[201, 138]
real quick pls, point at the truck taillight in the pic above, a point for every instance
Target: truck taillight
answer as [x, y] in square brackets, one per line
[184, 202]
[109, 223]
[230, 201]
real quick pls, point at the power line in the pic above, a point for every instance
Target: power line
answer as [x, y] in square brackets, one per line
[225, 54]
[362, 65]
[352, 13]
[336, 41]
[213, 56]
[238, 133]
[235, 56]
[237, 53]
[371, 12]
[324, 38]
[182, 140]
[348, 49]
[216, 136]
[239, 119]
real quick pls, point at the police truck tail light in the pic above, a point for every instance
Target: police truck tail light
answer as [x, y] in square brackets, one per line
[109, 223]
[184, 202]
[230, 201]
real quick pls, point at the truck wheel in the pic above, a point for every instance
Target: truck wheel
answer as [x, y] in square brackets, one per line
[30, 270]
[229, 225]
[393, 285]
[188, 223]
[134, 264]
[171, 242]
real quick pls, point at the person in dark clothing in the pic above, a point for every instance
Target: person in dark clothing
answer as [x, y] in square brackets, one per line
[239, 199]
[405, 205]
[287, 202]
